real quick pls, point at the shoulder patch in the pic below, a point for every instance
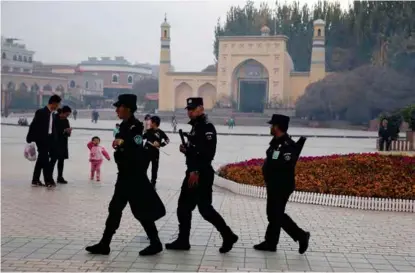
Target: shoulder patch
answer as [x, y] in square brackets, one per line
[287, 156]
[138, 139]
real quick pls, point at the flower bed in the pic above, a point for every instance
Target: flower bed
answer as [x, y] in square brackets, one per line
[363, 175]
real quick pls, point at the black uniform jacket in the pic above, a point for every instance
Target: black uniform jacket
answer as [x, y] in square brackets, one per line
[201, 145]
[152, 135]
[279, 165]
[132, 176]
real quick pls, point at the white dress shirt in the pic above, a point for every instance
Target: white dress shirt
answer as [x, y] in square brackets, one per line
[50, 123]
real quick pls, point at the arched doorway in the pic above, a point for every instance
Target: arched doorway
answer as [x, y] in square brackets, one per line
[250, 86]
[208, 92]
[182, 92]
[34, 89]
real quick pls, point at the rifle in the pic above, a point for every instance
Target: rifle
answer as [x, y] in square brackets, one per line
[300, 144]
[181, 134]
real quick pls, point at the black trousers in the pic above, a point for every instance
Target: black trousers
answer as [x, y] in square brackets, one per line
[384, 143]
[153, 156]
[200, 196]
[277, 218]
[60, 166]
[42, 163]
[122, 196]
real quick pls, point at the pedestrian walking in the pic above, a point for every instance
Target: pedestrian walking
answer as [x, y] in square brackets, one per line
[197, 185]
[132, 184]
[279, 175]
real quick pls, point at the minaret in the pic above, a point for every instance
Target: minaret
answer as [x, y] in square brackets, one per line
[318, 53]
[166, 101]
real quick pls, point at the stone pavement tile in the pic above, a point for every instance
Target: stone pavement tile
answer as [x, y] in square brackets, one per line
[340, 264]
[275, 265]
[383, 267]
[184, 267]
[362, 265]
[143, 265]
[298, 268]
[404, 268]
[399, 263]
[166, 267]
[257, 262]
[342, 269]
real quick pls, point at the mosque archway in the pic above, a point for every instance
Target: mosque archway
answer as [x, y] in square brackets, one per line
[250, 86]
[208, 92]
[182, 92]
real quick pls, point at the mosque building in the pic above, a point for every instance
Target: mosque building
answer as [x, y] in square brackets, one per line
[252, 72]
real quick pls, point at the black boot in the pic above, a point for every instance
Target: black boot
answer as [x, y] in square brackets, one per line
[179, 244]
[304, 243]
[99, 248]
[266, 246]
[152, 249]
[228, 241]
[61, 180]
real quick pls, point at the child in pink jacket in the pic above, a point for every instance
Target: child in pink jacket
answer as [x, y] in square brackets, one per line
[96, 156]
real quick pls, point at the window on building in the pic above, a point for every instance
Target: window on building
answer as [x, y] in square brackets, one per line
[319, 32]
[14, 58]
[72, 84]
[47, 88]
[86, 84]
[20, 58]
[5, 68]
[115, 78]
[130, 79]
[23, 87]
[165, 33]
[30, 59]
[59, 88]
[34, 88]
[16, 69]
[3, 55]
[25, 59]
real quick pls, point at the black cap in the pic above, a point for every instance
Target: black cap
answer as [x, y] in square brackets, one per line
[280, 120]
[146, 117]
[128, 100]
[192, 103]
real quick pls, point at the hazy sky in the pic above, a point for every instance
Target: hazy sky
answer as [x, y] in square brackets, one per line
[69, 32]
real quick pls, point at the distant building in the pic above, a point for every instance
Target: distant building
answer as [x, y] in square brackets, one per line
[254, 73]
[15, 57]
[154, 69]
[54, 68]
[118, 74]
[27, 84]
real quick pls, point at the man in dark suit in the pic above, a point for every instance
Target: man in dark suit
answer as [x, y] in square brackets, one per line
[42, 131]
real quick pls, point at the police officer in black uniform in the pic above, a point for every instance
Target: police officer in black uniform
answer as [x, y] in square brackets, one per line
[279, 175]
[197, 185]
[132, 184]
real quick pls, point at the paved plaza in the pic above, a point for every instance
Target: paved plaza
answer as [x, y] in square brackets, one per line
[262, 129]
[47, 230]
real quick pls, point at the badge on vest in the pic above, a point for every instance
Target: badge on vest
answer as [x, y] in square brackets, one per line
[275, 154]
[287, 156]
[138, 140]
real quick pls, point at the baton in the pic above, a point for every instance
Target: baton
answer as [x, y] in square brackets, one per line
[158, 148]
[182, 137]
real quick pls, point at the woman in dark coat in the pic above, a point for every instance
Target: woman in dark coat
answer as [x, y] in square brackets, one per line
[60, 151]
